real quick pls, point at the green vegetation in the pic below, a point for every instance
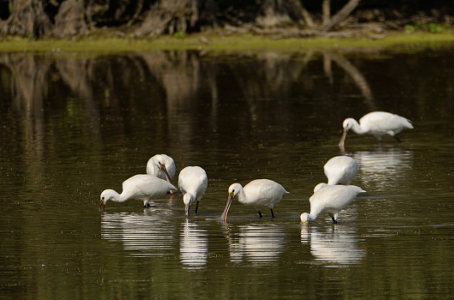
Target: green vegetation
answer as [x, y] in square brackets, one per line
[429, 27]
[219, 42]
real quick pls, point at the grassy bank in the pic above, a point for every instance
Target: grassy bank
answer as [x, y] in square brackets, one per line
[217, 42]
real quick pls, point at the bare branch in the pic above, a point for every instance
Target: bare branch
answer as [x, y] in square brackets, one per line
[306, 16]
[326, 11]
[340, 15]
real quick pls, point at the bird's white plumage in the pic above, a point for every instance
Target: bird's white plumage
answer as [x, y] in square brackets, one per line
[261, 192]
[330, 199]
[153, 167]
[257, 193]
[140, 187]
[377, 123]
[192, 182]
[340, 170]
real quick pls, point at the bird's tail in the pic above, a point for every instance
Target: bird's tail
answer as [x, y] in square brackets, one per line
[407, 123]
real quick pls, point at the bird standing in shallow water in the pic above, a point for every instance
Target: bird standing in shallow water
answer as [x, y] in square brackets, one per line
[193, 182]
[141, 187]
[257, 193]
[378, 124]
[162, 166]
[330, 199]
[340, 169]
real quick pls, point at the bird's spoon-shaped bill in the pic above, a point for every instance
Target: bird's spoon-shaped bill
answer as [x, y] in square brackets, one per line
[227, 207]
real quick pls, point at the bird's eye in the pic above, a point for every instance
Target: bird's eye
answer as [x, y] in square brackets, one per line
[102, 198]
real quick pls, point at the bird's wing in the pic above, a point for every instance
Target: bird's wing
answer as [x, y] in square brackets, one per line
[263, 191]
[334, 196]
[152, 186]
[384, 121]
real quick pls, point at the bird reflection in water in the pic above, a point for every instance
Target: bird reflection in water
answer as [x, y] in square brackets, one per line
[337, 245]
[145, 234]
[384, 167]
[193, 246]
[256, 243]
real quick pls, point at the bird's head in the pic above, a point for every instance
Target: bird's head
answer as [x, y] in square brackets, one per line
[106, 195]
[234, 189]
[348, 124]
[162, 166]
[305, 218]
[187, 200]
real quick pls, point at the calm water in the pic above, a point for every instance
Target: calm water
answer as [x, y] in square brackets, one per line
[73, 125]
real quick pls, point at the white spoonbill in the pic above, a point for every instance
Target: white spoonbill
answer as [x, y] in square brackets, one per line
[193, 183]
[141, 187]
[340, 169]
[257, 193]
[378, 124]
[330, 199]
[162, 166]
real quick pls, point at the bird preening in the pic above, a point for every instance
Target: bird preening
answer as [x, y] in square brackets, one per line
[161, 166]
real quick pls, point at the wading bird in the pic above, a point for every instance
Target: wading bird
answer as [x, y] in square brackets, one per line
[340, 170]
[140, 187]
[162, 166]
[257, 193]
[378, 124]
[193, 183]
[330, 199]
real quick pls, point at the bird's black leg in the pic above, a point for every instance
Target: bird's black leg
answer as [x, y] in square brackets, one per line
[260, 214]
[196, 207]
[147, 205]
[332, 218]
[272, 213]
[397, 138]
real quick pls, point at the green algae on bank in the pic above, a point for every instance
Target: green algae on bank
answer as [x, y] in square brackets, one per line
[217, 42]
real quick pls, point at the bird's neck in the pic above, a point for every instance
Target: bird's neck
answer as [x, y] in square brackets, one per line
[188, 198]
[242, 196]
[313, 216]
[118, 198]
[357, 128]
[315, 211]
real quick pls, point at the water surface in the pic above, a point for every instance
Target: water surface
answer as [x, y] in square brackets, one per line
[73, 125]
